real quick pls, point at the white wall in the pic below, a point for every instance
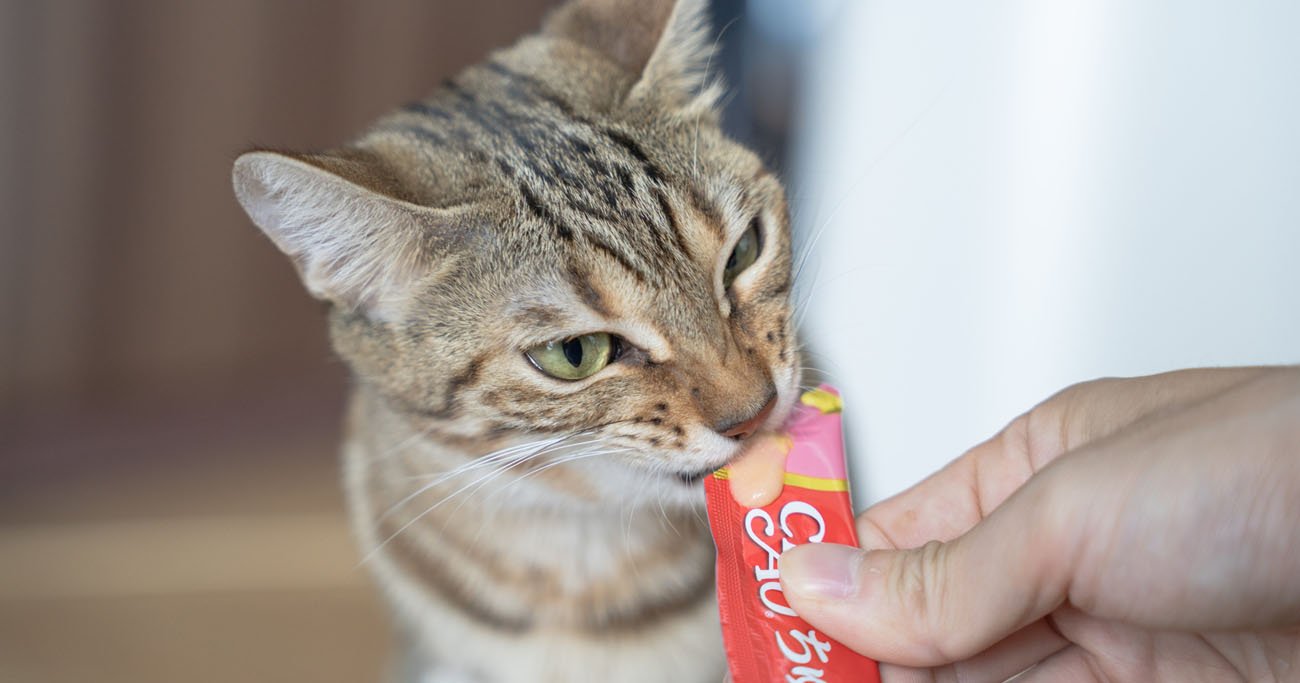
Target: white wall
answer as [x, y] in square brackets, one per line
[1009, 197]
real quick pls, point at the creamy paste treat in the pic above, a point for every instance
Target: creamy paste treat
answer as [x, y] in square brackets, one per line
[756, 479]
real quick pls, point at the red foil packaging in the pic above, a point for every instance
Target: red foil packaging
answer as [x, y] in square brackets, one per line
[766, 641]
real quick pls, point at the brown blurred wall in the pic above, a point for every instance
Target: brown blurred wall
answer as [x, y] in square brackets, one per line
[127, 271]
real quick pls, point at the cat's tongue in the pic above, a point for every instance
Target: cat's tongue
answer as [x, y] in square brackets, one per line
[758, 476]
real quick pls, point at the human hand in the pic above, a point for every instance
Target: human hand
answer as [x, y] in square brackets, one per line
[1141, 529]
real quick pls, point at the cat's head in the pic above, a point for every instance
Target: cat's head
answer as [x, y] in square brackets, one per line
[558, 241]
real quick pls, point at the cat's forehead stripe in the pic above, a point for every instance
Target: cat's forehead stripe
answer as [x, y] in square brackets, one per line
[582, 284]
[632, 264]
[671, 214]
[713, 217]
[634, 148]
[537, 152]
[545, 176]
[593, 190]
[534, 88]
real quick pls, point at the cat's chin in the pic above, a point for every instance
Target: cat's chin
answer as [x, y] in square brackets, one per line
[693, 479]
[674, 489]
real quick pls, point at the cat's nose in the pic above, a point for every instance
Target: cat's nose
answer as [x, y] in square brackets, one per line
[744, 428]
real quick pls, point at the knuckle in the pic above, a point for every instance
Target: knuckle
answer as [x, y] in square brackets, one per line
[1052, 427]
[921, 585]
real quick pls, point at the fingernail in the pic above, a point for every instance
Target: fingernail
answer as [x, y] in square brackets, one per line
[821, 571]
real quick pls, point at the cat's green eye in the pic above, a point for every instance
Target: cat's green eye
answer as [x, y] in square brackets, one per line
[743, 254]
[574, 359]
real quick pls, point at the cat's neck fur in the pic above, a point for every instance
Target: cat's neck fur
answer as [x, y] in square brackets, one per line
[609, 582]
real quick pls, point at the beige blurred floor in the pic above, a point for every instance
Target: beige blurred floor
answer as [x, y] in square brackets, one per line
[195, 544]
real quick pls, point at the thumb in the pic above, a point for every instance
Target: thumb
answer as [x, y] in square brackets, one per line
[942, 602]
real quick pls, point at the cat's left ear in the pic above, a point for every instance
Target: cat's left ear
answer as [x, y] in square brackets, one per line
[342, 222]
[664, 43]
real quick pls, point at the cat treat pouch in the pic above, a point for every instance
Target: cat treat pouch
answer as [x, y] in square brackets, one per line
[805, 500]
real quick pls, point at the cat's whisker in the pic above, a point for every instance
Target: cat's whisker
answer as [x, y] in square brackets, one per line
[566, 460]
[659, 498]
[543, 445]
[627, 529]
[819, 374]
[513, 457]
[808, 247]
[490, 475]
[487, 521]
[696, 511]
[852, 190]
[488, 479]
[581, 455]
[806, 250]
[801, 306]
[818, 371]
[404, 444]
[480, 461]
[505, 454]
[510, 464]
[708, 64]
[442, 477]
[802, 312]
[804, 349]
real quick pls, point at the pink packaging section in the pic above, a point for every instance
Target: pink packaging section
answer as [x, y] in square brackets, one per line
[818, 449]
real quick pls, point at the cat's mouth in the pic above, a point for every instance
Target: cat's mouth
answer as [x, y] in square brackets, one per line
[777, 416]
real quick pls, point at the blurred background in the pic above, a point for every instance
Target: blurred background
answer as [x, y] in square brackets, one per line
[996, 199]
[1006, 197]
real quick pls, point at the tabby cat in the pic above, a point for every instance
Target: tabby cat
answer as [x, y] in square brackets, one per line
[563, 295]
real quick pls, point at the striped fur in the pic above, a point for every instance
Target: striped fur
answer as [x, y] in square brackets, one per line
[525, 528]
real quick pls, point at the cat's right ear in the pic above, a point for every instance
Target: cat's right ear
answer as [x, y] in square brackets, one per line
[664, 43]
[353, 244]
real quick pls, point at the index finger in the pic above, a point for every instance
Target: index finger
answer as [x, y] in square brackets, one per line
[949, 502]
